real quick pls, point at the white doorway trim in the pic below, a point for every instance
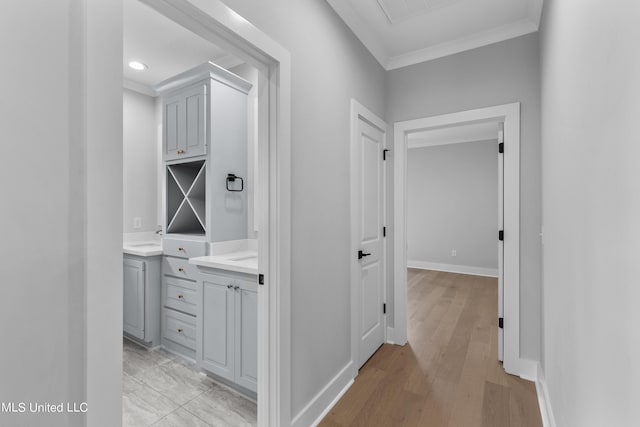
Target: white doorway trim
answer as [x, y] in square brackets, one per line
[359, 111]
[510, 115]
[214, 21]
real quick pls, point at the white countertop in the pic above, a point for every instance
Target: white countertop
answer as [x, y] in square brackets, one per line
[142, 248]
[244, 261]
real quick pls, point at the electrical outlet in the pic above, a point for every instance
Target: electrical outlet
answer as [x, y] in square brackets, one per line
[137, 222]
[454, 252]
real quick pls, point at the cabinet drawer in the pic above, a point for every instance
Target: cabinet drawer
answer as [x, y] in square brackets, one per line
[180, 268]
[184, 248]
[181, 295]
[180, 328]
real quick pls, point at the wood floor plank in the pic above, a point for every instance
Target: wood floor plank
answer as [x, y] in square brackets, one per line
[448, 374]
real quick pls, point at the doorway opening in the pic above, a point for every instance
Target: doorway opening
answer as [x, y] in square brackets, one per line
[509, 115]
[255, 57]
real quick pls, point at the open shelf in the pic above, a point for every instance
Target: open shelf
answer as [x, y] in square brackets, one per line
[186, 185]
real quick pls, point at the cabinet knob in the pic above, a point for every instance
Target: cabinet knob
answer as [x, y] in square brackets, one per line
[180, 330]
[181, 249]
[180, 296]
[180, 269]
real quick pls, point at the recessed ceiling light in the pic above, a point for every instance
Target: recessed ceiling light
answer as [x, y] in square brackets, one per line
[137, 65]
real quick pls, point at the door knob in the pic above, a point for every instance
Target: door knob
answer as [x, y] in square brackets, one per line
[362, 254]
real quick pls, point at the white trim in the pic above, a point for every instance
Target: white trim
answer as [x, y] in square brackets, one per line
[453, 268]
[473, 41]
[391, 335]
[373, 42]
[528, 369]
[360, 111]
[214, 21]
[313, 413]
[510, 115]
[421, 143]
[139, 87]
[546, 411]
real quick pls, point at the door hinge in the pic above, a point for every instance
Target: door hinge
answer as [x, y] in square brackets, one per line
[384, 153]
[384, 308]
[500, 322]
[501, 235]
[260, 279]
[501, 147]
[384, 231]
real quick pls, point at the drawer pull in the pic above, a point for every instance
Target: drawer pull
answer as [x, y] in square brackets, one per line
[180, 152]
[180, 269]
[236, 287]
[180, 330]
[180, 296]
[181, 249]
[230, 285]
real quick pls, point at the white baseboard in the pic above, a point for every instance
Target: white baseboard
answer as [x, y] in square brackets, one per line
[543, 399]
[391, 335]
[321, 404]
[528, 369]
[453, 268]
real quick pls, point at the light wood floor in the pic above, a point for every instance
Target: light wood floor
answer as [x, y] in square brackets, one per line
[448, 374]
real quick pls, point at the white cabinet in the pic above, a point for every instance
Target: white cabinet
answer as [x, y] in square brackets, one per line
[141, 298]
[134, 298]
[185, 127]
[180, 296]
[204, 143]
[228, 344]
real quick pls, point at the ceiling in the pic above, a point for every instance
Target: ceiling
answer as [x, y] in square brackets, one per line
[484, 131]
[405, 32]
[164, 46]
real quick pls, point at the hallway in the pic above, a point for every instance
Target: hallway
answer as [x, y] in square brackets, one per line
[448, 374]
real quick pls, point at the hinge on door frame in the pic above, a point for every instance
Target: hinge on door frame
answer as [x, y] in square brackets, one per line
[501, 235]
[501, 147]
[384, 231]
[384, 153]
[501, 322]
[260, 279]
[384, 308]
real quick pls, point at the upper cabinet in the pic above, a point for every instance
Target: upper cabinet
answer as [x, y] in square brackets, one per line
[184, 123]
[205, 149]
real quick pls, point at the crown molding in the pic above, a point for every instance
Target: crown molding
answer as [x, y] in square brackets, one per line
[371, 41]
[376, 46]
[484, 38]
[139, 87]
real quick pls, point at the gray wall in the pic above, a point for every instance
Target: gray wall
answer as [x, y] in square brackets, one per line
[140, 161]
[329, 67]
[497, 74]
[452, 203]
[591, 211]
[61, 209]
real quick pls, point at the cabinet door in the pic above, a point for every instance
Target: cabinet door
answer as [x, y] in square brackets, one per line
[217, 326]
[185, 124]
[195, 121]
[134, 297]
[173, 127]
[246, 340]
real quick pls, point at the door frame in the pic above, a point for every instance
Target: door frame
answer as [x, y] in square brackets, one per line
[510, 115]
[360, 111]
[216, 22]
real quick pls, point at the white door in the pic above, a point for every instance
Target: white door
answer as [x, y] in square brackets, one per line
[369, 194]
[500, 242]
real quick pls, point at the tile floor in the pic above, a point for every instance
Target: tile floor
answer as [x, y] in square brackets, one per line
[163, 390]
